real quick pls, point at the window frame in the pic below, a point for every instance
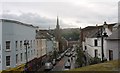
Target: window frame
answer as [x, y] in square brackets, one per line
[7, 61]
[16, 58]
[20, 44]
[8, 45]
[95, 42]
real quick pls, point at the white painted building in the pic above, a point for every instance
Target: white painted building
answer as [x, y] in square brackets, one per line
[92, 47]
[41, 47]
[12, 48]
[50, 47]
[112, 45]
[92, 44]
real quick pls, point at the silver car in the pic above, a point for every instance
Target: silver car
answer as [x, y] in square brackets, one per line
[67, 65]
[54, 62]
[48, 66]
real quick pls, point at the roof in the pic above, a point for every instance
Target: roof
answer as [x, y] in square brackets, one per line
[17, 22]
[43, 34]
[115, 35]
[96, 31]
[89, 31]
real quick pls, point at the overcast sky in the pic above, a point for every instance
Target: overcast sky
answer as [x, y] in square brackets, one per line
[72, 13]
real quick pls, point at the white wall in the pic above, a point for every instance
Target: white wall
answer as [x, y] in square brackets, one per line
[89, 43]
[49, 46]
[39, 48]
[44, 47]
[16, 32]
[0, 45]
[112, 45]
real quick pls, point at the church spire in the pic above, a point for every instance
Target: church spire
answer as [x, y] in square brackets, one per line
[57, 26]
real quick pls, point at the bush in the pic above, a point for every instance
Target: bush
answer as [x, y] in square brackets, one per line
[95, 60]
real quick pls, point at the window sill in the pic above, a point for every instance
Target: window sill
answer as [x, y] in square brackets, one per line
[8, 50]
[8, 67]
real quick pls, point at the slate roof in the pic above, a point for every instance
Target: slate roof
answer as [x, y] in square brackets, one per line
[115, 35]
[43, 34]
[94, 33]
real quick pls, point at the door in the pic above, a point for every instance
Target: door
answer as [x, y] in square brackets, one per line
[96, 53]
[110, 54]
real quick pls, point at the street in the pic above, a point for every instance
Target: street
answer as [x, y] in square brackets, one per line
[60, 65]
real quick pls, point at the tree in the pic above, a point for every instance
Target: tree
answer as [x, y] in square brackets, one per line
[80, 57]
[55, 54]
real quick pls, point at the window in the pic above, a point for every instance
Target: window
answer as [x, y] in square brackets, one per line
[31, 43]
[96, 53]
[16, 44]
[7, 45]
[95, 42]
[37, 52]
[25, 55]
[34, 43]
[20, 44]
[21, 57]
[31, 53]
[85, 47]
[16, 58]
[7, 60]
[37, 42]
[34, 51]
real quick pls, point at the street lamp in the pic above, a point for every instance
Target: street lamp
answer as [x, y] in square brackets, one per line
[101, 34]
[26, 43]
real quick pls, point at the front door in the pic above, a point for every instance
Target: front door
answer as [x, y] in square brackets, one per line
[110, 54]
[96, 53]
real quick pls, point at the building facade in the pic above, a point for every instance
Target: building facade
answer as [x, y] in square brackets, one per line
[92, 44]
[112, 45]
[13, 34]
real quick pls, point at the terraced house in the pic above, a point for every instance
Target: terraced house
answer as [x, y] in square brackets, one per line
[13, 35]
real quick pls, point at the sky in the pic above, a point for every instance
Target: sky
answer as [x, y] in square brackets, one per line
[71, 13]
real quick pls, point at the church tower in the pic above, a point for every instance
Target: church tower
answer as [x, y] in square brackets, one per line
[58, 35]
[57, 31]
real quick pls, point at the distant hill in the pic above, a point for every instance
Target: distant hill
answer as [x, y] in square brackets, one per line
[71, 34]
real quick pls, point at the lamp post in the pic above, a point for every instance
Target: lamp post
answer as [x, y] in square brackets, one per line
[102, 34]
[26, 43]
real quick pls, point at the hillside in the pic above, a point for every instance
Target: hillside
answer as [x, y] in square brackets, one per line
[107, 66]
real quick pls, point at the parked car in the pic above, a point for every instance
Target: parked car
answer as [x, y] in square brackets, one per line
[62, 55]
[73, 50]
[68, 54]
[67, 65]
[59, 58]
[48, 66]
[73, 55]
[70, 58]
[54, 62]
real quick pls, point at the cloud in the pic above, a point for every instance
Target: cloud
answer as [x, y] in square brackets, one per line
[35, 19]
[72, 13]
